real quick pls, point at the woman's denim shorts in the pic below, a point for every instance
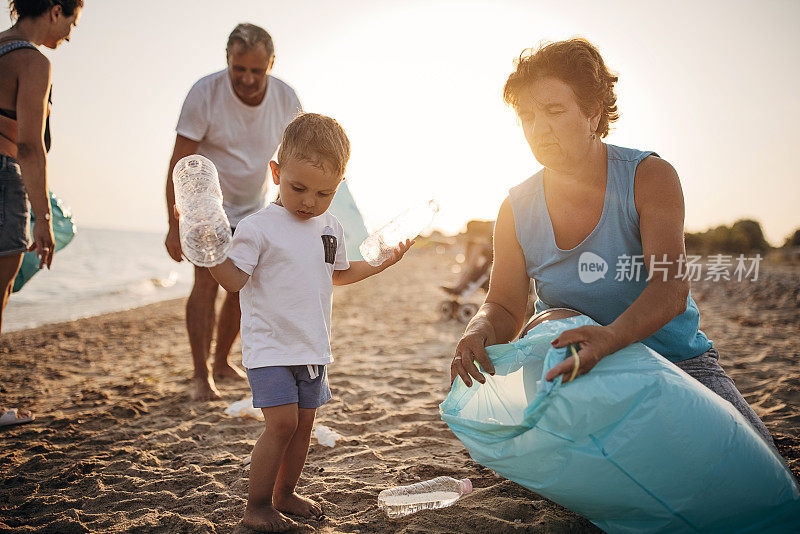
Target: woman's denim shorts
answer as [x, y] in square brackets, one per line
[14, 215]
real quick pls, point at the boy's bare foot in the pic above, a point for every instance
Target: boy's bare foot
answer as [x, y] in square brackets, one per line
[267, 519]
[204, 389]
[226, 371]
[295, 504]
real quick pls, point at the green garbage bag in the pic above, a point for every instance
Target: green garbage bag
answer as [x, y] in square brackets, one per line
[63, 230]
[636, 445]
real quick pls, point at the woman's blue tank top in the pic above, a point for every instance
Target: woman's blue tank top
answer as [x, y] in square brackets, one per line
[599, 276]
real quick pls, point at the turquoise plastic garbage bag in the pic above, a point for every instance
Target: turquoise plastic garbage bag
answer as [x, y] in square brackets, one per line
[63, 232]
[635, 445]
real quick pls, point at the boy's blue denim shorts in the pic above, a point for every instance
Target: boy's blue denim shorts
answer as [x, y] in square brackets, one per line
[289, 384]
[14, 216]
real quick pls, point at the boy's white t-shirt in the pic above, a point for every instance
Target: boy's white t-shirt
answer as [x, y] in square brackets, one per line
[286, 303]
[238, 138]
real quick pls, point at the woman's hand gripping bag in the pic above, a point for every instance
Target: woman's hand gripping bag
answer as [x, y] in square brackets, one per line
[635, 445]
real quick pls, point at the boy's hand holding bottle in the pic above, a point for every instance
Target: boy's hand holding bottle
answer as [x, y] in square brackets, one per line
[205, 233]
[376, 249]
[397, 254]
[360, 270]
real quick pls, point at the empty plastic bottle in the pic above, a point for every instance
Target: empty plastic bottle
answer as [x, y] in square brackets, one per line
[380, 245]
[436, 493]
[204, 228]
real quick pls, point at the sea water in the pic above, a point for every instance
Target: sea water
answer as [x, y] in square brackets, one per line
[100, 271]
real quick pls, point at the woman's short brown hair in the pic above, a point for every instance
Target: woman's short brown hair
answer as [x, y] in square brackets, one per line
[317, 139]
[575, 62]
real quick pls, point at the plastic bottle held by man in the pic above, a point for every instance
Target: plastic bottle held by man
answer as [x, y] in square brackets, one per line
[204, 228]
[380, 245]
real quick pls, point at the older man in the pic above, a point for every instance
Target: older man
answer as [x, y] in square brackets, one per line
[236, 118]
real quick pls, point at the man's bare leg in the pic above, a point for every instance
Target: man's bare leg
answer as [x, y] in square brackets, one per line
[200, 326]
[280, 424]
[227, 330]
[285, 499]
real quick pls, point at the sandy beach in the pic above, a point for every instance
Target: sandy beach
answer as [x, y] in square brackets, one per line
[118, 446]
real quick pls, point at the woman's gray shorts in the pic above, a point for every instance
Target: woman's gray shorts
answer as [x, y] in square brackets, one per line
[706, 370]
[14, 215]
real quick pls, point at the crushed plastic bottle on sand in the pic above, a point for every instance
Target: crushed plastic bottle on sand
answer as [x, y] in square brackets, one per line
[436, 493]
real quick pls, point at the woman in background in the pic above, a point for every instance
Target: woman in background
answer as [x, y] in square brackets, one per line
[25, 138]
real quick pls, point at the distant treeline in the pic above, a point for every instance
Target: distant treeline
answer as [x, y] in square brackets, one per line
[743, 237]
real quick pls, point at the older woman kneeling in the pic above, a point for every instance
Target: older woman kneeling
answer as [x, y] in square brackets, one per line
[593, 207]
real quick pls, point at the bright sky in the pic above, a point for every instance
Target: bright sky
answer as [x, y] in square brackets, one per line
[711, 86]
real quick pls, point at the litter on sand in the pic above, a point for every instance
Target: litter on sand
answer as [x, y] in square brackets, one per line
[325, 436]
[244, 408]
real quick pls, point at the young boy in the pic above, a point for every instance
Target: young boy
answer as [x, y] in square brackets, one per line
[286, 259]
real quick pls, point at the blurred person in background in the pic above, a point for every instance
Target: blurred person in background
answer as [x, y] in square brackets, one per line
[477, 256]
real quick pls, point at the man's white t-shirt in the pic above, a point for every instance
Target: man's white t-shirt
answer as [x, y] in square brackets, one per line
[286, 303]
[239, 139]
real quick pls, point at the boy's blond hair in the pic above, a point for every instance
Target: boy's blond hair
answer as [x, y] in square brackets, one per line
[317, 139]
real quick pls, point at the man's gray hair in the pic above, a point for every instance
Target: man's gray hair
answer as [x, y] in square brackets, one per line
[250, 36]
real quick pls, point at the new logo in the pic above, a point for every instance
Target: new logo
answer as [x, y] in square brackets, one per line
[591, 267]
